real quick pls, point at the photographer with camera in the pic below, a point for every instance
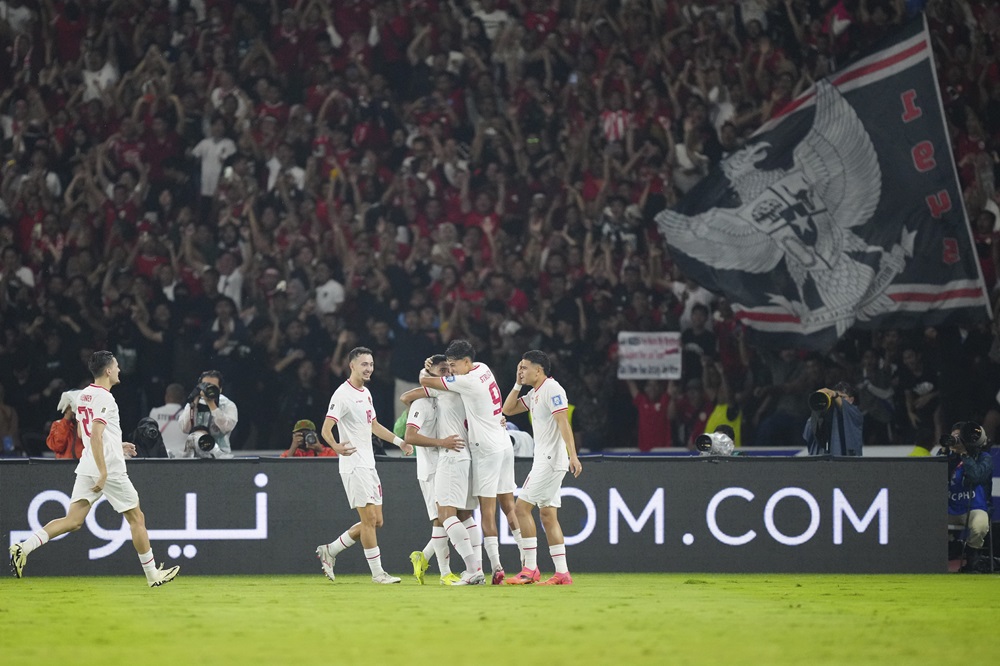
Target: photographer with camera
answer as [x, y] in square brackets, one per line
[207, 407]
[306, 443]
[835, 426]
[970, 489]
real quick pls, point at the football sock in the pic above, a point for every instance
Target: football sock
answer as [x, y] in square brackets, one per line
[530, 553]
[476, 538]
[374, 556]
[429, 551]
[148, 563]
[459, 537]
[341, 543]
[520, 548]
[492, 546]
[439, 540]
[36, 540]
[558, 553]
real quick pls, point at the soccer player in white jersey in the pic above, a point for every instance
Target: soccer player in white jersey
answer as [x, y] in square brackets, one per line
[491, 448]
[453, 480]
[351, 410]
[100, 473]
[555, 453]
[422, 432]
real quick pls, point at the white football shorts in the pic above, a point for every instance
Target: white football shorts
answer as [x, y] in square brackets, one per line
[427, 490]
[119, 492]
[453, 483]
[363, 487]
[541, 487]
[506, 483]
[486, 471]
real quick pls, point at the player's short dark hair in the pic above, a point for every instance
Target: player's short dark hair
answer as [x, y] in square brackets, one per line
[726, 430]
[460, 349]
[538, 357]
[438, 358]
[214, 374]
[99, 362]
[359, 351]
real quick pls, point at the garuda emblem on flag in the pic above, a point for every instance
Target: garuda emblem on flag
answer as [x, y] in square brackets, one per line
[844, 211]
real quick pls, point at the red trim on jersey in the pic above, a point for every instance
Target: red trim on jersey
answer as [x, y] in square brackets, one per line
[99, 386]
[443, 383]
[413, 425]
[359, 390]
[564, 409]
[427, 391]
[332, 418]
[100, 420]
[539, 387]
[524, 402]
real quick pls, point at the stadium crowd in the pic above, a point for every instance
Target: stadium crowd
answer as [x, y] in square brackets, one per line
[258, 186]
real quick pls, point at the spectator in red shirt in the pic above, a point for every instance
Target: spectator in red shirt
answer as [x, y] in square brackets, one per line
[652, 402]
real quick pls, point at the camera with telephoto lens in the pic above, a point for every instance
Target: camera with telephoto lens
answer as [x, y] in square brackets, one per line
[201, 444]
[715, 444]
[310, 438]
[970, 435]
[210, 391]
[147, 430]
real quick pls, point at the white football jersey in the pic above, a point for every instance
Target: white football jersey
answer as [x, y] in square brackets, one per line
[544, 402]
[423, 418]
[353, 412]
[451, 421]
[95, 404]
[483, 409]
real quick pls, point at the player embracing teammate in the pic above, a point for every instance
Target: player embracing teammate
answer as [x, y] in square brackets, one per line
[492, 452]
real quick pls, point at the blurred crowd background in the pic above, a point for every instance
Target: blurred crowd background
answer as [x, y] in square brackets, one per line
[258, 186]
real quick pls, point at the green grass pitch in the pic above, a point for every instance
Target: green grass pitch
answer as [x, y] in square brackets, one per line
[602, 619]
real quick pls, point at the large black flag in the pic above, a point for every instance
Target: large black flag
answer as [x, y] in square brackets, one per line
[845, 210]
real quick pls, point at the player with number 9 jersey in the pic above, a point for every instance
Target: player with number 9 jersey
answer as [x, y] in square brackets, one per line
[483, 408]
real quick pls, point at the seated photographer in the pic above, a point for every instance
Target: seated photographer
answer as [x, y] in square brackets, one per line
[835, 426]
[970, 488]
[306, 443]
[207, 407]
[201, 444]
[148, 440]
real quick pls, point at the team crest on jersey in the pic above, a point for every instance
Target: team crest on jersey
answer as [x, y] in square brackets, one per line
[450, 378]
[557, 401]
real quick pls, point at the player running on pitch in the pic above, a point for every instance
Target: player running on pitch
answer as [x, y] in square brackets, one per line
[555, 453]
[100, 473]
[352, 411]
